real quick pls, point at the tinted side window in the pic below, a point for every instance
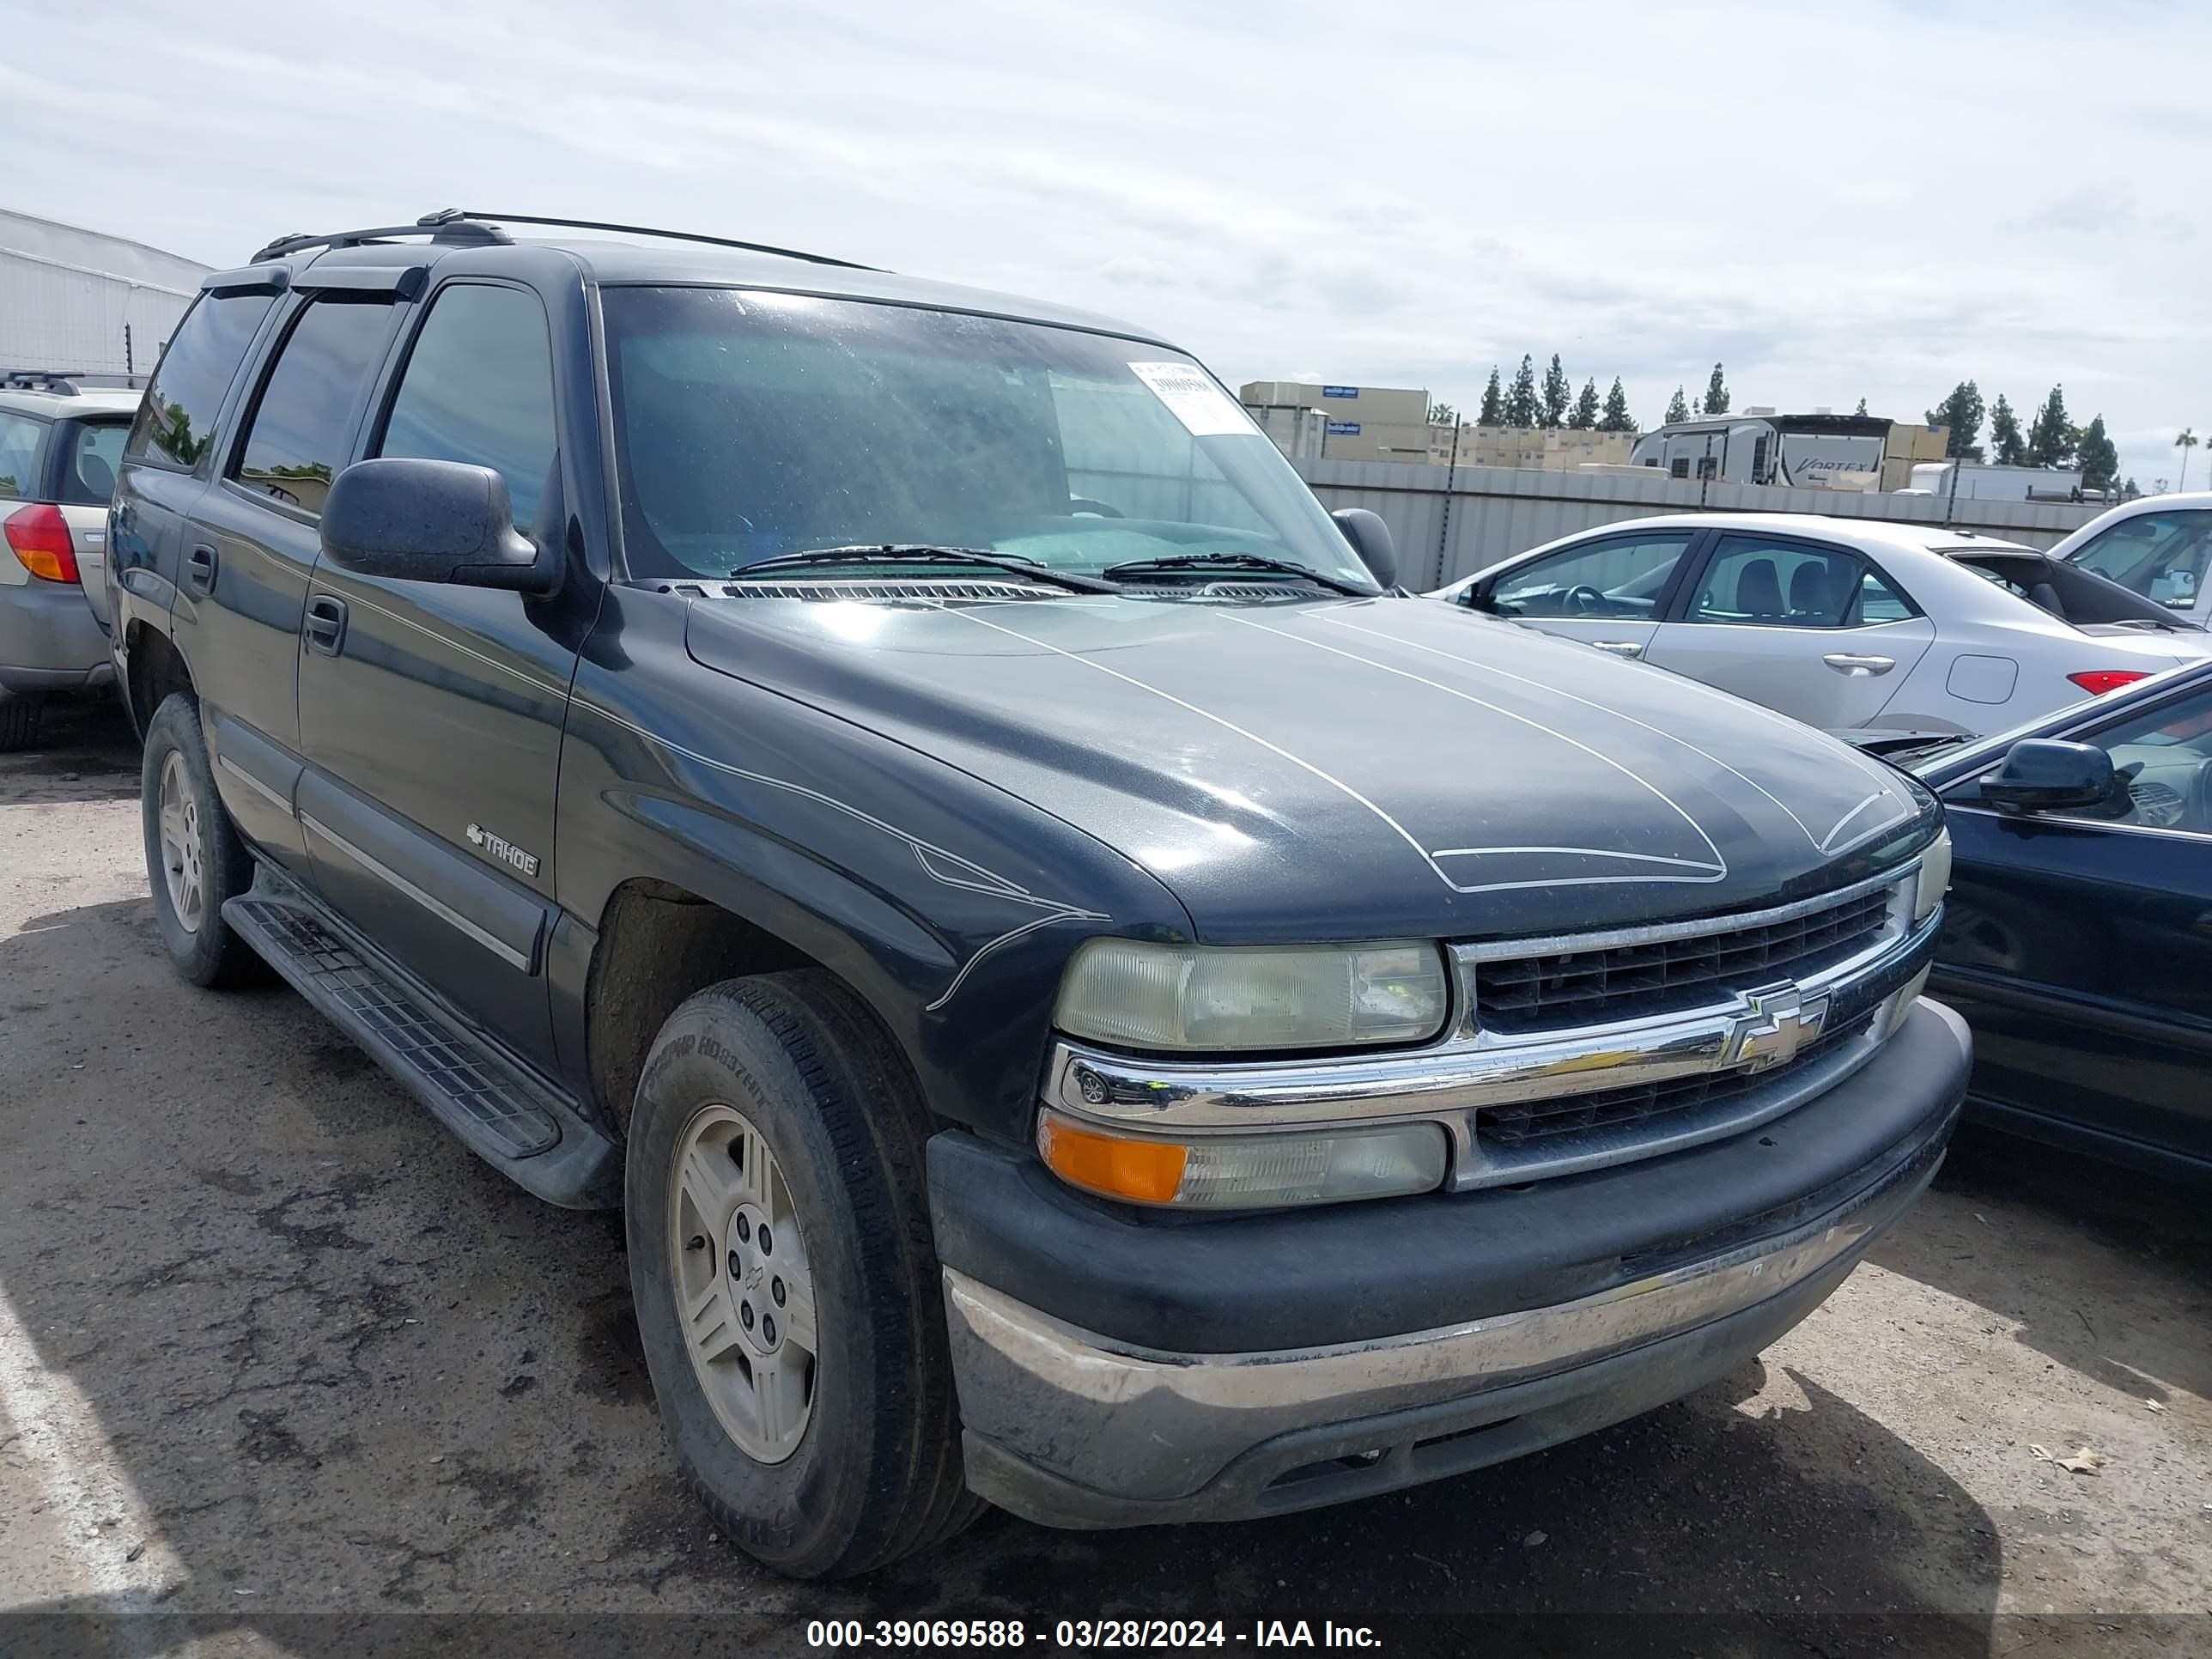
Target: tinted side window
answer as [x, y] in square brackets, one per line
[19, 455]
[1790, 584]
[2163, 759]
[301, 431]
[478, 387]
[1620, 577]
[2161, 764]
[176, 423]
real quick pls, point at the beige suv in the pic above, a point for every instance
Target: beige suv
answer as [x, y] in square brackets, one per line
[61, 439]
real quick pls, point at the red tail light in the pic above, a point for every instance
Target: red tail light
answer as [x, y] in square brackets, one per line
[40, 538]
[2097, 681]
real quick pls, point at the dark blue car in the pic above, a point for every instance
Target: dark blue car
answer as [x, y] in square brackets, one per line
[2078, 936]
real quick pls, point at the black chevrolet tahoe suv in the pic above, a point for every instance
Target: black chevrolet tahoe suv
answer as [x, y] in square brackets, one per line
[1089, 999]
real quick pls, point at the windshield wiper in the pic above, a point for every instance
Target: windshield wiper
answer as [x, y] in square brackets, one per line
[928, 553]
[1232, 561]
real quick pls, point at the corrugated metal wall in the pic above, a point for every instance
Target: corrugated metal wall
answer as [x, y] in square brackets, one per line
[1495, 512]
[52, 317]
[66, 296]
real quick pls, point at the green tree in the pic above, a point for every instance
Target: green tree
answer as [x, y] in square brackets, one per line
[1558, 395]
[2008, 448]
[1494, 403]
[1616, 417]
[1717, 393]
[2051, 436]
[1677, 410]
[2131, 491]
[1584, 419]
[2186, 441]
[1962, 413]
[1442, 414]
[1521, 408]
[2098, 456]
[1861, 409]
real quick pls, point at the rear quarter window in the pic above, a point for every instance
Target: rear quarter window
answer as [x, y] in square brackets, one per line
[175, 426]
[88, 468]
[19, 436]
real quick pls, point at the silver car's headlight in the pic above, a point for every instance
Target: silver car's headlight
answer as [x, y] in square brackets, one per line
[1139, 995]
[1934, 877]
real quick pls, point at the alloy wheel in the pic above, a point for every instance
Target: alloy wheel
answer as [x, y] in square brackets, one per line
[744, 1295]
[182, 868]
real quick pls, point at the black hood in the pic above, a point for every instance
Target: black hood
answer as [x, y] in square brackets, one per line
[1365, 767]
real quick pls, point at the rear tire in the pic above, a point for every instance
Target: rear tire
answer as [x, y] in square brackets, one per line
[194, 859]
[791, 1065]
[19, 721]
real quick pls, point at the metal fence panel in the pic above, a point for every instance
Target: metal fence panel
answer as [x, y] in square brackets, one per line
[1449, 521]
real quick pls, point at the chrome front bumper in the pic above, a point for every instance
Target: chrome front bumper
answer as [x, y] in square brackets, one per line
[1069, 1428]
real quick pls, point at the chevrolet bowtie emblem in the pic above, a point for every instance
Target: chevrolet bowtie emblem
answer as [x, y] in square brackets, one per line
[1780, 1019]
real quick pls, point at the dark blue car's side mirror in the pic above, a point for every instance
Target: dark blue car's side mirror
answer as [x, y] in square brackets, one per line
[2041, 775]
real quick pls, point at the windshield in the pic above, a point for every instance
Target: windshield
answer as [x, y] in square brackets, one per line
[748, 425]
[2161, 556]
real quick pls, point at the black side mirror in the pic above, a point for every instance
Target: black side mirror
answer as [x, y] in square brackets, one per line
[2039, 774]
[1371, 538]
[433, 521]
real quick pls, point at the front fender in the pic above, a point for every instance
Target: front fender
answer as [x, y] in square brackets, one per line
[950, 905]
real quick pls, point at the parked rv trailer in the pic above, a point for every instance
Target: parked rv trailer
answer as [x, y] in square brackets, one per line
[1818, 451]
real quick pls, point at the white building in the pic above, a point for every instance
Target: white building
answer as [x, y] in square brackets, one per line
[76, 300]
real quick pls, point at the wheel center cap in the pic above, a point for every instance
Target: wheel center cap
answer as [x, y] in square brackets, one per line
[749, 1281]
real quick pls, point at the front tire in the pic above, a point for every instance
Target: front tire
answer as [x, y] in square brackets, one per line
[775, 1133]
[194, 859]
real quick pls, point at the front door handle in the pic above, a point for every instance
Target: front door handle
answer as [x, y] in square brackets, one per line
[1618, 647]
[199, 571]
[325, 624]
[1844, 662]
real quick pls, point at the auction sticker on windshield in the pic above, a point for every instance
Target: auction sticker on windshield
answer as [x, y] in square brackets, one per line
[1193, 399]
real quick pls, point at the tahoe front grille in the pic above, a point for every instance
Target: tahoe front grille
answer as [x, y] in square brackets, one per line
[1597, 986]
[1647, 1107]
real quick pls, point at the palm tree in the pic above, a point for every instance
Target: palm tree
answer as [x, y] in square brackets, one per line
[2187, 441]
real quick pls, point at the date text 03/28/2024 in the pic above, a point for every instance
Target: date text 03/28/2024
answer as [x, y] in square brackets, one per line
[1085, 1633]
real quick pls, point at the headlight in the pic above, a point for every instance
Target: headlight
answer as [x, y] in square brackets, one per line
[1934, 877]
[1244, 1172]
[1137, 995]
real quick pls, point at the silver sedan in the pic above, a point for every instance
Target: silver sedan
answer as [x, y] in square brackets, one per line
[1874, 630]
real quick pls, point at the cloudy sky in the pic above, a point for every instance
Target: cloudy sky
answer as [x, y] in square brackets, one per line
[1874, 200]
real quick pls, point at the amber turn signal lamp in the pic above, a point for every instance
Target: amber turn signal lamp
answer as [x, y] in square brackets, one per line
[1115, 1166]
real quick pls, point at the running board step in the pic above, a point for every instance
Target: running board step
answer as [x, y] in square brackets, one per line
[516, 1123]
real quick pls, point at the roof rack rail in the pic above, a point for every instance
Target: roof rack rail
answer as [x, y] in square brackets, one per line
[459, 215]
[465, 228]
[62, 382]
[451, 227]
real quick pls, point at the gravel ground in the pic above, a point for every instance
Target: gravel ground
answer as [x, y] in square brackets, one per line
[284, 1369]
